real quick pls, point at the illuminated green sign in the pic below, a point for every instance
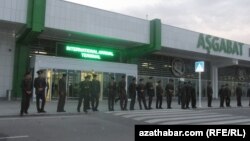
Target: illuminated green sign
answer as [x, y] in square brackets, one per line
[87, 52]
[216, 44]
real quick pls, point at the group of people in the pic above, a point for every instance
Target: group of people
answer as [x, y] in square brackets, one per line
[90, 93]
[27, 89]
[225, 95]
[141, 91]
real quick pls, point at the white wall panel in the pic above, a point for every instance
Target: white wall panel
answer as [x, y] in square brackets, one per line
[7, 46]
[13, 10]
[181, 39]
[74, 17]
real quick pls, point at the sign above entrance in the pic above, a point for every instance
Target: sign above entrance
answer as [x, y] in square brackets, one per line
[199, 66]
[88, 52]
[211, 43]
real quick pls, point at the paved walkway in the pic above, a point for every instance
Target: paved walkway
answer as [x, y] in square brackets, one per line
[12, 108]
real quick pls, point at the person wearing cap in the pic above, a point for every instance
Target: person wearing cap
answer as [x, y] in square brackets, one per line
[62, 94]
[209, 94]
[227, 93]
[169, 92]
[132, 93]
[40, 85]
[239, 93]
[122, 93]
[111, 94]
[159, 94]
[26, 93]
[193, 96]
[95, 92]
[222, 96]
[141, 94]
[150, 91]
[85, 90]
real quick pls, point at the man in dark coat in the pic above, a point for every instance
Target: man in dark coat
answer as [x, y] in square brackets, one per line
[111, 94]
[169, 92]
[239, 93]
[122, 93]
[222, 96]
[193, 96]
[40, 85]
[227, 93]
[132, 93]
[209, 94]
[26, 93]
[85, 90]
[141, 94]
[95, 93]
[62, 94]
[184, 95]
[159, 95]
[150, 91]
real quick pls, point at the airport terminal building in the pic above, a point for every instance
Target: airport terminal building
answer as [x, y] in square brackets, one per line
[63, 37]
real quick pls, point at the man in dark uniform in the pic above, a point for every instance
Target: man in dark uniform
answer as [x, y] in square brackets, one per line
[179, 93]
[40, 85]
[122, 93]
[222, 96]
[85, 87]
[209, 94]
[150, 91]
[141, 94]
[248, 95]
[193, 96]
[159, 95]
[62, 94]
[169, 92]
[239, 93]
[26, 93]
[96, 89]
[188, 93]
[183, 95]
[132, 93]
[112, 93]
[227, 93]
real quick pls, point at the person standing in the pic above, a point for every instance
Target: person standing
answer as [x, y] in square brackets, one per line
[132, 93]
[184, 95]
[169, 92]
[111, 94]
[141, 94]
[193, 96]
[122, 93]
[188, 94]
[95, 94]
[62, 94]
[209, 94]
[227, 93]
[222, 96]
[26, 93]
[159, 95]
[150, 91]
[40, 85]
[84, 94]
[239, 93]
[179, 93]
[248, 95]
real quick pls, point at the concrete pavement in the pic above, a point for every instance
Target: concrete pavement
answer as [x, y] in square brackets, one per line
[12, 108]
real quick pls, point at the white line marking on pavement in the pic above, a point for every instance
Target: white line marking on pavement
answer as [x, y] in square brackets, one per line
[14, 137]
[201, 121]
[170, 115]
[183, 118]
